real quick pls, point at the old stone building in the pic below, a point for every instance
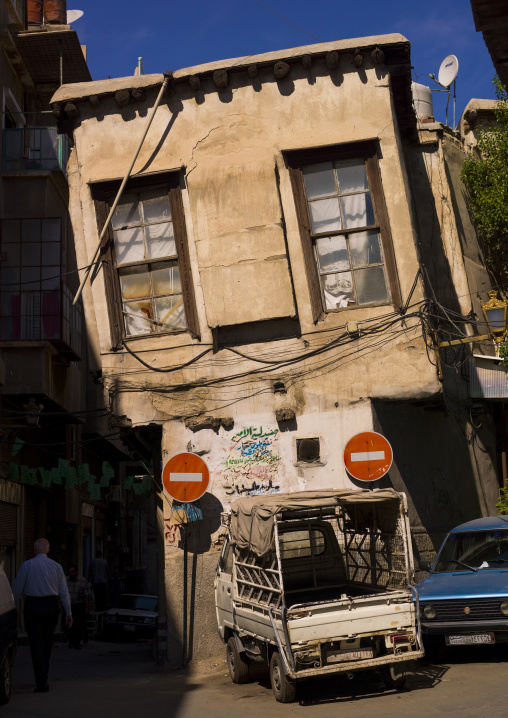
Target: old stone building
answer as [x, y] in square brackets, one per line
[289, 246]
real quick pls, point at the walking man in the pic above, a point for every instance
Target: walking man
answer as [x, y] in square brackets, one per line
[98, 575]
[42, 581]
[79, 593]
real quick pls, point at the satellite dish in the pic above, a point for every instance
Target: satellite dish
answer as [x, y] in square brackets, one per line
[448, 71]
[73, 15]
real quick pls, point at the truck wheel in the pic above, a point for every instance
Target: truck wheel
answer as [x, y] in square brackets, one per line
[390, 679]
[284, 689]
[238, 666]
[5, 681]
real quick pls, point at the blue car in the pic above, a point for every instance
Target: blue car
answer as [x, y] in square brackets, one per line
[464, 601]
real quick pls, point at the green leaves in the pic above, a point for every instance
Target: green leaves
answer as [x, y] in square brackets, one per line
[486, 179]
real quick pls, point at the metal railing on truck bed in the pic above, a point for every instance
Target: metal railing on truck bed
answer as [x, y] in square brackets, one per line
[361, 547]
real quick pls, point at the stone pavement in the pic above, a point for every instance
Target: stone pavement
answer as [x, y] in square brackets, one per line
[108, 680]
[101, 680]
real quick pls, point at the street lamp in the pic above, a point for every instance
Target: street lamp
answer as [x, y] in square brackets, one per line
[494, 312]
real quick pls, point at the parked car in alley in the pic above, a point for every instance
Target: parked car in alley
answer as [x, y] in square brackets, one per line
[464, 600]
[8, 634]
[135, 616]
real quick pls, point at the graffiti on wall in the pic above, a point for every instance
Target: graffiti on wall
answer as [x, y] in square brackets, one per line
[251, 464]
[171, 533]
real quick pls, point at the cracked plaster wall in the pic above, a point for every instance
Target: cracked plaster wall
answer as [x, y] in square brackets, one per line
[230, 155]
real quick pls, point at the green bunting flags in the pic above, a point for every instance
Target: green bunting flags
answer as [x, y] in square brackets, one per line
[94, 489]
[56, 476]
[46, 477]
[69, 477]
[108, 473]
[127, 482]
[140, 487]
[17, 446]
[83, 473]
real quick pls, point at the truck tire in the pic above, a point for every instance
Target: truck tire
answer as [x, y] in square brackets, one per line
[390, 679]
[237, 664]
[5, 681]
[284, 689]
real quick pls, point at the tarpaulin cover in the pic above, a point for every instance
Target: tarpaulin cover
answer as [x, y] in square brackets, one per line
[252, 518]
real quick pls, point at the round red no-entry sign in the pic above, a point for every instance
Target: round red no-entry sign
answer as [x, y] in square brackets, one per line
[368, 456]
[185, 477]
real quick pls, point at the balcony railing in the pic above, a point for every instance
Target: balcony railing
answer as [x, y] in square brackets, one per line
[43, 315]
[28, 149]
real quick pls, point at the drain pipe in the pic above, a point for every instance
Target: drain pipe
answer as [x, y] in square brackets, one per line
[167, 77]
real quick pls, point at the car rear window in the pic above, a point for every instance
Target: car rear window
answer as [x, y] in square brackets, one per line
[138, 603]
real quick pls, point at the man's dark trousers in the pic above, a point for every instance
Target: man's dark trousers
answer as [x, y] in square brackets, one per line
[41, 615]
[100, 594]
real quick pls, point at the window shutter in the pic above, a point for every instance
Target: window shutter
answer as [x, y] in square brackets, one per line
[378, 200]
[307, 248]
[113, 298]
[182, 248]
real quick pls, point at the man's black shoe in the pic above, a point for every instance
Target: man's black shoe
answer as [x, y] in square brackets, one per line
[42, 689]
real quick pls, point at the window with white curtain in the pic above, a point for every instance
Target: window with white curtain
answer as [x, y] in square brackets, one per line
[349, 256]
[344, 227]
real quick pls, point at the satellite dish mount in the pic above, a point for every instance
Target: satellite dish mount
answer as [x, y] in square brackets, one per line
[447, 76]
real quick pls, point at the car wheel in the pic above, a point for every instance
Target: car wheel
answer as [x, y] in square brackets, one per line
[284, 689]
[238, 666]
[5, 681]
[391, 679]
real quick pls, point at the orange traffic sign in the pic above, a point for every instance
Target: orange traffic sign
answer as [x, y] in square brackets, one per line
[185, 477]
[368, 456]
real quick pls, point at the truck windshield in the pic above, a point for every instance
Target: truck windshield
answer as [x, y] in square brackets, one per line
[474, 550]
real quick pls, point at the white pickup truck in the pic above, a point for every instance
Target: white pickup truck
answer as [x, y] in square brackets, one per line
[313, 583]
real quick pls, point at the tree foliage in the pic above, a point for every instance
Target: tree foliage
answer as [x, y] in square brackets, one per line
[485, 176]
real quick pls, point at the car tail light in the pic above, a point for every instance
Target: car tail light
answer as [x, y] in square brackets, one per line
[401, 638]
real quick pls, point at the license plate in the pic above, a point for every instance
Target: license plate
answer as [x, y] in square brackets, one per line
[470, 640]
[129, 628]
[354, 655]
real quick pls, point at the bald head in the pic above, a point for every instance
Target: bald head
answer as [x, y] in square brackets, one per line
[41, 546]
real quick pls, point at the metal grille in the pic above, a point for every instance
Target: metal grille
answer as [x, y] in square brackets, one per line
[373, 554]
[8, 524]
[453, 610]
[258, 580]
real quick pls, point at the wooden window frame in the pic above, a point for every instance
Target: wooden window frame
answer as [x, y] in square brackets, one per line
[368, 151]
[103, 194]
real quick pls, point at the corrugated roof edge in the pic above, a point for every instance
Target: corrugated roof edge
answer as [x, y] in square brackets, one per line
[82, 90]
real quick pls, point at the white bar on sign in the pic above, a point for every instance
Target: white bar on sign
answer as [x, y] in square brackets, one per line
[185, 477]
[368, 456]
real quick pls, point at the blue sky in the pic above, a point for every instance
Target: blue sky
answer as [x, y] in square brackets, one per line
[172, 35]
